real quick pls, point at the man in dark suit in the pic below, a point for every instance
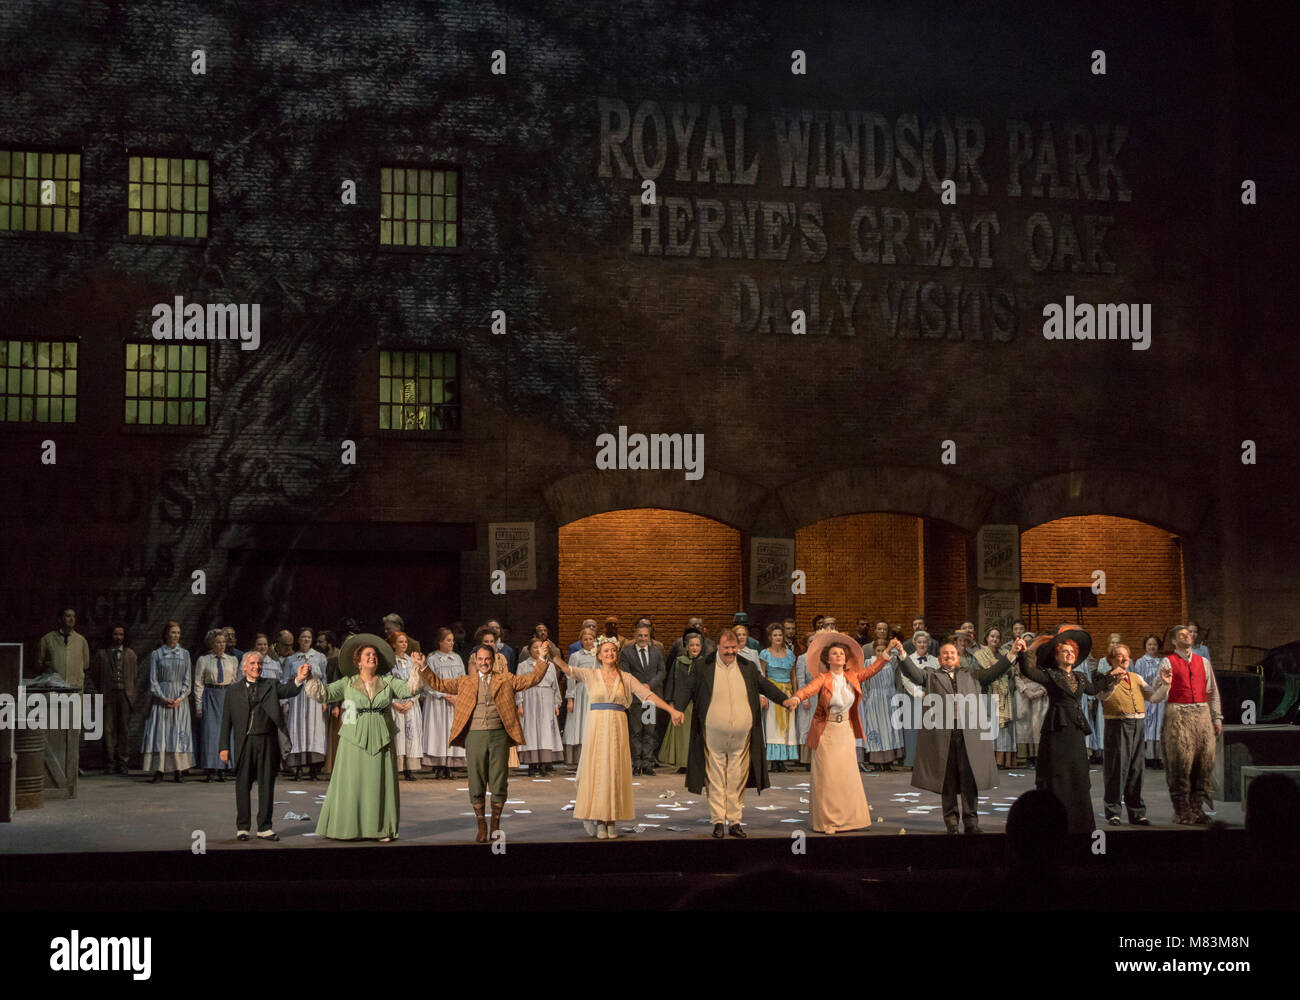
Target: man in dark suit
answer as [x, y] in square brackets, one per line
[645, 662]
[728, 753]
[251, 715]
[114, 677]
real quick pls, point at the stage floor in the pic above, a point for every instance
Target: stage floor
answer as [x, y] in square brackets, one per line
[113, 813]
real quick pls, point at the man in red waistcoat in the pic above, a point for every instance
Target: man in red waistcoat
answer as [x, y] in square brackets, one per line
[1192, 723]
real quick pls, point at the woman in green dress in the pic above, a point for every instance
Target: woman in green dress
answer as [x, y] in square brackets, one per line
[676, 746]
[362, 800]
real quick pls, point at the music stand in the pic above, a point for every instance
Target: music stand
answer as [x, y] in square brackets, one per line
[1077, 598]
[1035, 594]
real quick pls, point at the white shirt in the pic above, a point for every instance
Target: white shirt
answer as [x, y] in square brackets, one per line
[841, 694]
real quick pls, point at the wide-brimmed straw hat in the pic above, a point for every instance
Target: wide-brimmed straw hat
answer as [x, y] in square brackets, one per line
[1046, 650]
[387, 658]
[820, 640]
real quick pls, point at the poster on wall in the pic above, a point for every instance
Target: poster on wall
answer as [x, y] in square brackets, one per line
[998, 608]
[997, 548]
[771, 561]
[512, 547]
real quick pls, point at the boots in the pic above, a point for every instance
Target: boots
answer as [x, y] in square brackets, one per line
[496, 817]
[313, 771]
[482, 836]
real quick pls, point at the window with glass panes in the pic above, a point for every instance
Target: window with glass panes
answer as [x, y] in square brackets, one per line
[167, 196]
[418, 391]
[167, 384]
[27, 201]
[419, 207]
[38, 381]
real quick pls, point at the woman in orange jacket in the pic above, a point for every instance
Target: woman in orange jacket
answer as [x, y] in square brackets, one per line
[838, 801]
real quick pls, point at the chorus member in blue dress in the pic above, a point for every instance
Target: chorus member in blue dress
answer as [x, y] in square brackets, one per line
[579, 699]
[168, 743]
[408, 717]
[882, 739]
[1198, 647]
[779, 724]
[542, 745]
[438, 709]
[215, 671]
[913, 693]
[1095, 669]
[587, 623]
[803, 675]
[305, 717]
[1148, 668]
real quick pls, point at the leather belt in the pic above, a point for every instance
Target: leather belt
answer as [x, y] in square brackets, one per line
[836, 717]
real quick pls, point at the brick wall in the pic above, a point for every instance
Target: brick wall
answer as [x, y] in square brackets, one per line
[661, 563]
[1143, 566]
[860, 564]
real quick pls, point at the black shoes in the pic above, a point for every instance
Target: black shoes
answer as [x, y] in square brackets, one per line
[274, 837]
[221, 777]
[952, 827]
[649, 772]
[180, 778]
[242, 835]
[1140, 821]
[408, 776]
[718, 831]
[973, 828]
[736, 831]
[157, 777]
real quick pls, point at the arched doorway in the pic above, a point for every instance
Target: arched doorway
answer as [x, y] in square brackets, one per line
[665, 564]
[1143, 566]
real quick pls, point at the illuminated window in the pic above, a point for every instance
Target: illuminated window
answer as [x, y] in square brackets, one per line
[167, 197]
[40, 381]
[419, 207]
[167, 384]
[418, 391]
[40, 191]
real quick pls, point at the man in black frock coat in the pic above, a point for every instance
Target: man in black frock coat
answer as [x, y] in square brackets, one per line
[251, 715]
[728, 752]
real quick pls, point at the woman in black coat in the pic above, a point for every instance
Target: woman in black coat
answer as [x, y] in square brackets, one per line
[1062, 750]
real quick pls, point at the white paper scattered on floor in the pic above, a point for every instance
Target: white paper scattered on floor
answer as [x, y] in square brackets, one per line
[568, 808]
[465, 789]
[1012, 774]
[768, 808]
[311, 835]
[515, 802]
[280, 802]
[522, 812]
[804, 811]
[802, 799]
[656, 816]
[680, 829]
[570, 779]
[668, 795]
[295, 791]
[547, 780]
[791, 820]
[294, 815]
[1001, 809]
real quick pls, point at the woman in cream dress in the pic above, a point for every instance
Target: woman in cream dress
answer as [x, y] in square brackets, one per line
[605, 769]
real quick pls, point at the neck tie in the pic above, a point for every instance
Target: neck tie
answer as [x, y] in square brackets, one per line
[645, 665]
[221, 676]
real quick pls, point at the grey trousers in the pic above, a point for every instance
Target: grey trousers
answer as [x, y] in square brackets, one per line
[1125, 759]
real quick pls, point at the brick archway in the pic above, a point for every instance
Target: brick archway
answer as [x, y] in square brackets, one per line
[1138, 496]
[902, 489]
[718, 496]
